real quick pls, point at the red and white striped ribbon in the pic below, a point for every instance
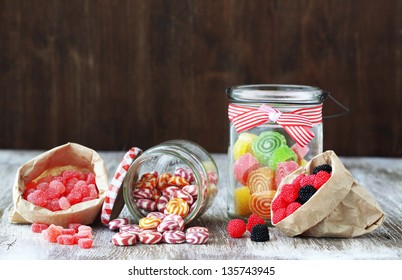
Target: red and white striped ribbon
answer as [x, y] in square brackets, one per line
[297, 124]
[116, 182]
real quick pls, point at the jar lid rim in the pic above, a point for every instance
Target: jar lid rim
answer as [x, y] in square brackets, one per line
[276, 93]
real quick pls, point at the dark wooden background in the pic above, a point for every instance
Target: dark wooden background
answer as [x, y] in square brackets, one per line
[115, 74]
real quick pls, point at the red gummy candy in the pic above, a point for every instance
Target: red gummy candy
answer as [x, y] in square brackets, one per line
[279, 215]
[64, 203]
[74, 226]
[38, 227]
[292, 207]
[59, 186]
[85, 243]
[51, 233]
[68, 231]
[38, 198]
[65, 239]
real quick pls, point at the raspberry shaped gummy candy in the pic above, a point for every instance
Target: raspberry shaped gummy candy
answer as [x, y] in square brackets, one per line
[323, 167]
[289, 192]
[253, 220]
[320, 179]
[236, 228]
[279, 215]
[259, 233]
[305, 193]
[292, 207]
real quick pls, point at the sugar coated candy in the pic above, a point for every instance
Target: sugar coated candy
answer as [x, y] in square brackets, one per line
[243, 166]
[241, 201]
[265, 145]
[38, 227]
[260, 203]
[85, 243]
[261, 179]
[243, 144]
[62, 191]
[281, 154]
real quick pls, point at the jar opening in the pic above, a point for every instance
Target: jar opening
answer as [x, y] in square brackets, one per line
[276, 93]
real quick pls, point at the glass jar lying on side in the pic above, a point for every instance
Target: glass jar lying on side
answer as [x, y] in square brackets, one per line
[274, 129]
[175, 177]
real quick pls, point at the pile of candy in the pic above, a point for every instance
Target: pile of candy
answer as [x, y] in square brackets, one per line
[294, 195]
[169, 194]
[261, 162]
[255, 225]
[61, 192]
[74, 234]
[156, 228]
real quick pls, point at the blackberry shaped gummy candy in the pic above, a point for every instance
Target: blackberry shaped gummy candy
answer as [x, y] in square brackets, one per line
[305, 193]
[259, 233]
[323, 167]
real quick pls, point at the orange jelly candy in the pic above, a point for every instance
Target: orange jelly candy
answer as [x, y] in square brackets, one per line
[261, 179]
[260, 203]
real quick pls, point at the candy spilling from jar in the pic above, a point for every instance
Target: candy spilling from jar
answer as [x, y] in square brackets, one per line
[261, 162]
[157, 228]
[169, 193]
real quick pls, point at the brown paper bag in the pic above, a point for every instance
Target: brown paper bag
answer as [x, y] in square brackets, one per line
[52, 162]
[340, 208]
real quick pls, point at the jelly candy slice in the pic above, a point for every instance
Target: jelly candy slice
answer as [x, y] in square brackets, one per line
[261, 179]
[241, 201]
[283, 169]
[281, 154]
[260, 203]
[265, 145]
[243, 166]
[243, 144]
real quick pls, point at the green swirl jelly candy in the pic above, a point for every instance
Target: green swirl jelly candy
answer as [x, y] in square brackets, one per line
[281, 154]
[265, 144]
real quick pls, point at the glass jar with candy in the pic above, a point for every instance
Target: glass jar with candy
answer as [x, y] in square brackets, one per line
[175, 177]
[274, 129]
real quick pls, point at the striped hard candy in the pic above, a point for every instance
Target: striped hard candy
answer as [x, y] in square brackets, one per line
[149, 223]
[196, 229]
[178, 181]
[176, 218]
[197, 237]
[177, 206]
[124, 239]
[168, 225]
[143, 193]
[191, 189]
[161, 203]
[116, 223]
[174, 236]
[184, 172]
[157, 215]
[130, 228]
[146, 204]
[184, 195]
[149, 237]
[169, 191]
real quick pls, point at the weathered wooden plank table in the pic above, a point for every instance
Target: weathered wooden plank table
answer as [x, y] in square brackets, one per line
[381, 176]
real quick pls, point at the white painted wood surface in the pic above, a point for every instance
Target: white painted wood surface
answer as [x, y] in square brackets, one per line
[381, 176]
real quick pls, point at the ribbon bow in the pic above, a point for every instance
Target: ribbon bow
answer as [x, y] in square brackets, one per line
[297, 124]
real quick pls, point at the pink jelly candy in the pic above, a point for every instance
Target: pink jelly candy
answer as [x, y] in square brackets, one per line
[243, 166]
[38, 198]
[38, 227]
[85, 243]
[283, 169]
[64, 203]
[65, 239]
[51, 233]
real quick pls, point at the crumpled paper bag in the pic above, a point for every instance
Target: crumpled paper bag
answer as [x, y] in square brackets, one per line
[52, 162]
[340, 208]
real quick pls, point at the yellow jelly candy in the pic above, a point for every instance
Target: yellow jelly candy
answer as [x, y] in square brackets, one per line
[303, 162]
[241, 201]
[243, 144]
